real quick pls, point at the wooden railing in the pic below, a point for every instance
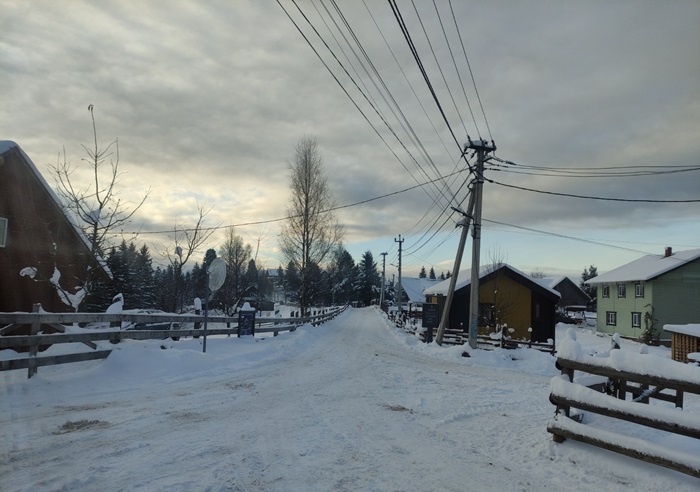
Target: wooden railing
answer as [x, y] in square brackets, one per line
[640, 377]
[10, 322]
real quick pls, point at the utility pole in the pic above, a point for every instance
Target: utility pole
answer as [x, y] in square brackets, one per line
[464, 222]
[482, 147]
[381, 296]
[400, 241]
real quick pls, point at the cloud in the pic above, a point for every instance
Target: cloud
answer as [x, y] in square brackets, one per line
[209, 98]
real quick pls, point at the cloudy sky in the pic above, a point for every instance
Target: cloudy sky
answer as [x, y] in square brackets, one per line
[209, 98]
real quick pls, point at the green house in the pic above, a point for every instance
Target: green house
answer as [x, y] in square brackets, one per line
[648, 293]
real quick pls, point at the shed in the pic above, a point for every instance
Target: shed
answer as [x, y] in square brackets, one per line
[685, 339]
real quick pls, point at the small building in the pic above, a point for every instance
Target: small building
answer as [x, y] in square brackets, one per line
[413, 287]
[648, 293]
[43, 254]
[506, 296]
[685, 341]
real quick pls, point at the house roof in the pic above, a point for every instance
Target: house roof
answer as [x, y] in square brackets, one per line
[414, 287]
[464, 279]
[553, 283]
[8, 146]
[647, 267]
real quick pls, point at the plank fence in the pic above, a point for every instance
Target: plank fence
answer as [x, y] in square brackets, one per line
[456, 336]
[36, 340]
[639, 377]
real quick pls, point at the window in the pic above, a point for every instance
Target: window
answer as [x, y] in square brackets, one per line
[486, 314]
[611, 318]
[639, 289]
[636, 320]
[3, 232]
[606, 290]
[621, 290]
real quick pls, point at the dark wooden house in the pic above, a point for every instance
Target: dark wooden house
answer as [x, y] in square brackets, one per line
[43, 254]
[572, 296]
[506, 296]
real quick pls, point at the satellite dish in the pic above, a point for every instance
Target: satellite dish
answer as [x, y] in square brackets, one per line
[217, 274]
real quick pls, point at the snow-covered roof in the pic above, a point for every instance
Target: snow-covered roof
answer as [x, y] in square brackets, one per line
[464, 279]
[692, 329]
[414, 287]
[552, 282]
[6, 146]
[647, 267]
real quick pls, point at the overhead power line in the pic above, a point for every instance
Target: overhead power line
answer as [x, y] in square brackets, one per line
[332, 209]
[555, 193]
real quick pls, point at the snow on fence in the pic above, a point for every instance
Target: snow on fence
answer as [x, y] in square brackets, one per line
[639, 376]
[11, 322]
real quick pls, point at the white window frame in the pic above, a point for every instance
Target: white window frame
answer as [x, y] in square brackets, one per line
[636, 320]
[611, 318]
[621, 291]
[606, 291]
[3, 231]
[639, 289]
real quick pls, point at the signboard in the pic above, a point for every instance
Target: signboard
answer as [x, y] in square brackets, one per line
[246, 321]
[431, 315]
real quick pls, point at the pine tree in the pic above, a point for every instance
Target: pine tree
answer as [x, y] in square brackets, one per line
[369, 280]
[292, 283]
[422, 273]
[342, 274]
[431, 275]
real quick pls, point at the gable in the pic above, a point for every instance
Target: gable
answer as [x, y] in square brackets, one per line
[38, 236]
[487, 272]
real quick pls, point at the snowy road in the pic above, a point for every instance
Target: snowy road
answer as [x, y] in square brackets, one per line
[351, 405]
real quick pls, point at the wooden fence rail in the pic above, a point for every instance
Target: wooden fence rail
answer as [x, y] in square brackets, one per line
[10, 322]
[640, 377]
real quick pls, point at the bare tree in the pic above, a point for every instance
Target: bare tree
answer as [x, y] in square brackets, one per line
[311, 230]
[97, 208]
[185, 241]
[236, 255]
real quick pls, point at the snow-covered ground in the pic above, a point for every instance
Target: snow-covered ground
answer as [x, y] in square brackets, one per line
[355, 404]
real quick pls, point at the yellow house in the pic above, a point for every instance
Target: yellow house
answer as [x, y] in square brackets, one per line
[507, 297]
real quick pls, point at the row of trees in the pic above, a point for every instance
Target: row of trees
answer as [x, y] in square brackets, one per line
[170, 289]
[147, 287]
[431, 275]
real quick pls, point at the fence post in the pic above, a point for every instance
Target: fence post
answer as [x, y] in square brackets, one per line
[33, 348]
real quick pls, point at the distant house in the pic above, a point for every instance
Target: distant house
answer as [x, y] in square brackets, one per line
[43, 254]
[505, 294]
[414, 287]
[650, 292]
[572, 296]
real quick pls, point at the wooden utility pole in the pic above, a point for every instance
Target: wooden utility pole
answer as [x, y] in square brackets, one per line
[381, 296]
[400, 296]
[464, 222]
[481, 147]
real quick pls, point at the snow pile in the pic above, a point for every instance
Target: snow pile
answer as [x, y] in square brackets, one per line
[354, 404]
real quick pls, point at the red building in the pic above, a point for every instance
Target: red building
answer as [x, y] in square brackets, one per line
[43, 254]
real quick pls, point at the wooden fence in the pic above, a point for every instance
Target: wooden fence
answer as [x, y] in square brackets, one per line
[11, 322]
[639, 377]
[456, 336]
